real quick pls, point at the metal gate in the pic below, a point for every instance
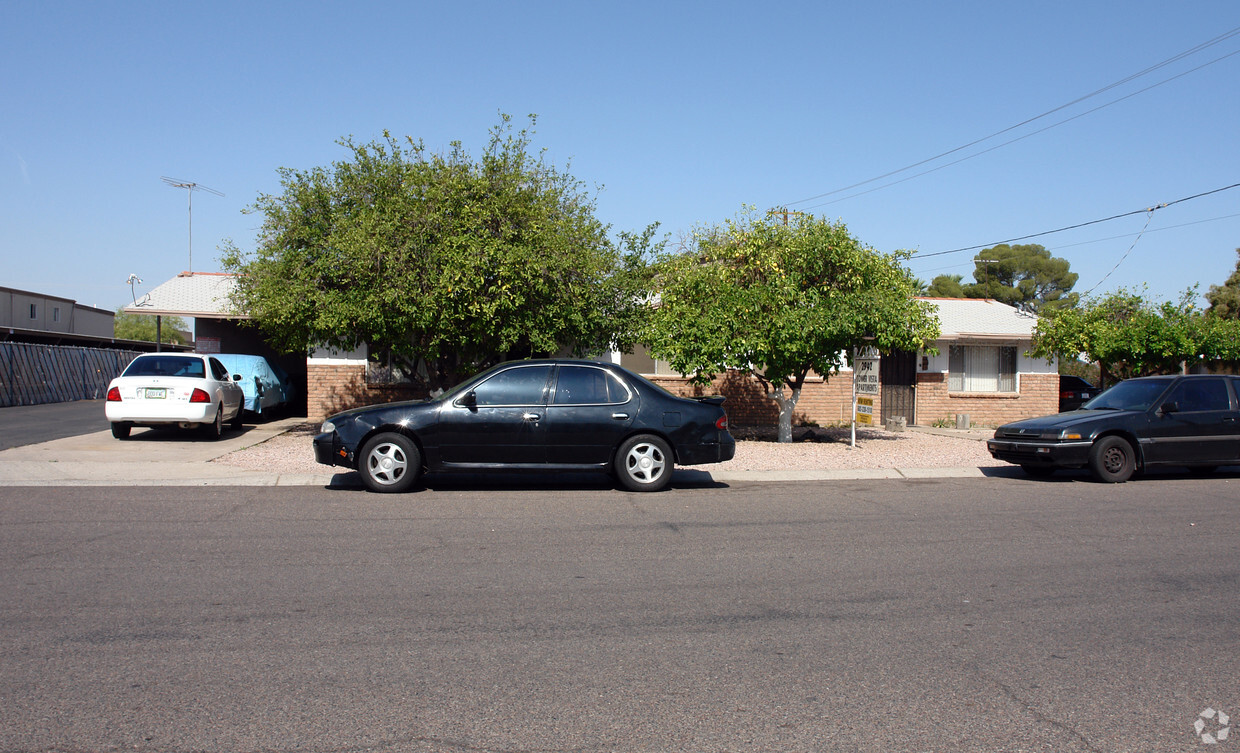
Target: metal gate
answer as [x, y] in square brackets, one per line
[898, 373]
[32, 374]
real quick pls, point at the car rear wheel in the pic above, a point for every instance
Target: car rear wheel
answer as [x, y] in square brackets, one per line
[644, 464]
[1112, 460]
[215, 429]
[390, 463]
[120, 429]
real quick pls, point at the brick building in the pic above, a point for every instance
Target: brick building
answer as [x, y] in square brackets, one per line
[980, 369]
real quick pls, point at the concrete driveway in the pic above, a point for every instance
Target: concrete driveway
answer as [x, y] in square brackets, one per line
[147, 458]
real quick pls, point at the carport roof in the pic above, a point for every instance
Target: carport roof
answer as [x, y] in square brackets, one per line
[981, 318]
[203, 295]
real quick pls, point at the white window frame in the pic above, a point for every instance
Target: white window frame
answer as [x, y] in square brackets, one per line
[982, 368]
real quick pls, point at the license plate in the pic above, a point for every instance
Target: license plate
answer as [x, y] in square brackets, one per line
[155, 393]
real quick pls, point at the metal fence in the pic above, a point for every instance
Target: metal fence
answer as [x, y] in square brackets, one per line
[32, 374]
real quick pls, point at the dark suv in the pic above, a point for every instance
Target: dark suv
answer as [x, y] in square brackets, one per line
[1073, 391]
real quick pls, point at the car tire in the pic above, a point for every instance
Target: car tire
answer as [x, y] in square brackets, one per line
[215, 429]
[390, 463]
[235, 423]
[1112, 460]
[120, 429]
[1038, 471]
[643, 464]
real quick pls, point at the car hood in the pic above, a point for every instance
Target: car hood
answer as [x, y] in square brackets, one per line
[1066, 420]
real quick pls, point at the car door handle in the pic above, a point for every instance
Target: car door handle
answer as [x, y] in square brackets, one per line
[620, 416]
[531, 416]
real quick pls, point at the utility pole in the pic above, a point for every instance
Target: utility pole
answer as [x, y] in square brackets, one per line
[785, 212]
[190, 187]
[986, 273]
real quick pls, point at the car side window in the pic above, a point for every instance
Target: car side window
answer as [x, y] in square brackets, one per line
[218, 370]
[523, 385]
[586, 385]
[1194, 395]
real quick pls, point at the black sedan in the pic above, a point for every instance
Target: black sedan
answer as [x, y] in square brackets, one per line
[542, 415]
[1191, 421]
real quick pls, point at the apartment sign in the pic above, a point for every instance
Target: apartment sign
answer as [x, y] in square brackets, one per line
[865, 372]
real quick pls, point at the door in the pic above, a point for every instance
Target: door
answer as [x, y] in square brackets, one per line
[1199, 426]
[589, 412]
[897, 374]
[499, 421]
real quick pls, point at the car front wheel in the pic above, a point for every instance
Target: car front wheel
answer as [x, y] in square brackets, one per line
[390, 463]
[1112, 460]
[644, 464]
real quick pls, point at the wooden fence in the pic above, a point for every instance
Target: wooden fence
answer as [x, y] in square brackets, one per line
[32, 374]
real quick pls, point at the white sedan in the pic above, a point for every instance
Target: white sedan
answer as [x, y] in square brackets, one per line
[188, 390]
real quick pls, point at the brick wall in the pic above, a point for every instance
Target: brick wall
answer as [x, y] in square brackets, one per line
[1039, 396]
[335, 387]
[822, 402]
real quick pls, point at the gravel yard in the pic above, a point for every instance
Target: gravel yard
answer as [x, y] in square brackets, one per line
[818, 449]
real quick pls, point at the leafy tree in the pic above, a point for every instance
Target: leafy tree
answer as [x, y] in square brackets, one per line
[946, 286]
[1225, 299]
[446, 263]
[1022, 276]
[781, 301]
[142, 327]
[1129, 336]
[1026, 276]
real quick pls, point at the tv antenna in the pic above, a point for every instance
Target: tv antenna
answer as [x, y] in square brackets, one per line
[190, 187]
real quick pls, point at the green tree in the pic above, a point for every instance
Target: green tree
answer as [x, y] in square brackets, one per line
[1026, 276]
[1129, 336]
[143, 326]
[782, 301]
[946, 286]
[446, 263]
[1225, 299]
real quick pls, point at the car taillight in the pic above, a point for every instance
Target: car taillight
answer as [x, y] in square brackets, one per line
[199, 396]
[114, 395]
[722, 423]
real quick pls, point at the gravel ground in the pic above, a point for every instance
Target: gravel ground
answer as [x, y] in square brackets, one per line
[817, 449]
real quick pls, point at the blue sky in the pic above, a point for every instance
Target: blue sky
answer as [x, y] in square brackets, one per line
[680, 112]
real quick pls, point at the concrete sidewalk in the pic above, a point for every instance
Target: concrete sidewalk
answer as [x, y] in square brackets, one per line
[168, 459]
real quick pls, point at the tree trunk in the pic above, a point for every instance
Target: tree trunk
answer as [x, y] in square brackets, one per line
[787, 406]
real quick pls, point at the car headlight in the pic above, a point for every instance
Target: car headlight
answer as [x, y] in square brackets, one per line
[1062, 435]
[327, 428]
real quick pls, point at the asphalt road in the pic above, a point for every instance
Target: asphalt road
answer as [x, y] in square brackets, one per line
[995, 614]
[21, 425]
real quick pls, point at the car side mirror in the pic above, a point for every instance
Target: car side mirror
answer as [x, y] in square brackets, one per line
[469, 399]
[236, 377]
[1168, 407]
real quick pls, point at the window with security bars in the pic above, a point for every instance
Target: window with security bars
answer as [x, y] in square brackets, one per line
[982, 368]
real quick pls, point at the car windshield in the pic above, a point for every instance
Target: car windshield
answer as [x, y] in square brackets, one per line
[1134, 394]
[173, 366]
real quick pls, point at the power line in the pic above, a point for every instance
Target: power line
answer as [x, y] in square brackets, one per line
[1104, 240]
[1079, 225]
[1204, 45]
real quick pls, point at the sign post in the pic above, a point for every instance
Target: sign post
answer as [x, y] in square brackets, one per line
[865, 387]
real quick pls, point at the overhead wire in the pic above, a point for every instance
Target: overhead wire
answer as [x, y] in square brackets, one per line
[1150, 210]
[1175, 58]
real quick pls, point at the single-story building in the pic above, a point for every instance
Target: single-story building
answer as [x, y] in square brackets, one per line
[981, 371]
